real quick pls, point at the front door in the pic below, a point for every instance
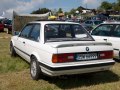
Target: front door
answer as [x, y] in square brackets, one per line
[21, 41]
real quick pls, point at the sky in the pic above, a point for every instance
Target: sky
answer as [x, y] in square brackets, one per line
[27, 6]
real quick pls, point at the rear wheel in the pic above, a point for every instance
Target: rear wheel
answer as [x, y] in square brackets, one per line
[35, 70]
[12, 50]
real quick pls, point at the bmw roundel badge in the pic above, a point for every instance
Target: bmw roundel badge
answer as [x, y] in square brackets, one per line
[87, 49]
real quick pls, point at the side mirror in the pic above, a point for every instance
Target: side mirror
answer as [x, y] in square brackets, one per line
[16, 33]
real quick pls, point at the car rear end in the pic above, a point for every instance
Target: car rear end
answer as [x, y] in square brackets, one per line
[80, 58]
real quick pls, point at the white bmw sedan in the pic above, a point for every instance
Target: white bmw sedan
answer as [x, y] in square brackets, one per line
[60, 48]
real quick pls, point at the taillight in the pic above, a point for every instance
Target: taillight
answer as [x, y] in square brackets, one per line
[60, 58]
[106, 55]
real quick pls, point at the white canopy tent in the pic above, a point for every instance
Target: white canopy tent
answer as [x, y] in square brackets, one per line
[2, 17]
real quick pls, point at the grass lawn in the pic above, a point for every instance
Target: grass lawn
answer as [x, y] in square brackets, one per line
[14, 75]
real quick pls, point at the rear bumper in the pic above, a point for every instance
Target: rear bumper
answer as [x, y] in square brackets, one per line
[75, 69]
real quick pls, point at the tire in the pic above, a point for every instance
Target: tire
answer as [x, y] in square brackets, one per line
[12, 50]
[35, 69]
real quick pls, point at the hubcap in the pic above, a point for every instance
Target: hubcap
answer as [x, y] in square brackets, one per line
[33, 68]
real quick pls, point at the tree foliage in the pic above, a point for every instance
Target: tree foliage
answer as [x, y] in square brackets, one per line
[60, 10]
[72, 11]
[106, 5]
[110, 6]
[40, 11]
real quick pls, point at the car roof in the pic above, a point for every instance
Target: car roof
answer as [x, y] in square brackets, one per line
[55, 22]
[114, 22]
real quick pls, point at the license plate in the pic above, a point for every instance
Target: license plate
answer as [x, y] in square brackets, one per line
[88, 56]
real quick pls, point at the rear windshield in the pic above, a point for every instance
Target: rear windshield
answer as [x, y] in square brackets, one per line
[66, 32]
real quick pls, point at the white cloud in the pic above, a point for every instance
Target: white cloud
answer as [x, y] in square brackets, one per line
[91, 3]
[20, 6]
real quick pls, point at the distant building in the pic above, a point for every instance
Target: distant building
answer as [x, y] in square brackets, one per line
[86, 11]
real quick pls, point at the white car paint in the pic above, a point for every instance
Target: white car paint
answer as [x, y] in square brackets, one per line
[44, 51]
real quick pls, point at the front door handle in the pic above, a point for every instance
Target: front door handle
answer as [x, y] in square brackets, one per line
[105, 39]
[23, 42]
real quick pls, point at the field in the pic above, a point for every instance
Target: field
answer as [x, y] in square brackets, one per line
[14, 75]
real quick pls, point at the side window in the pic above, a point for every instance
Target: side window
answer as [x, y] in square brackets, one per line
[35, 33]
[26, 30]
[103, 30]
[116, 31]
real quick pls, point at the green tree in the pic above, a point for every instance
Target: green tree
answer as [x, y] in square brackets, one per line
[118, 2]
[116, 6]
[40, 11]
[67, 13]
[106, 5]
[60, 10]
[73, 11]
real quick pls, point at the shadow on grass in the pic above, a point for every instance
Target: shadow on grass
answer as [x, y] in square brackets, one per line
[74, 81]
[117, 60]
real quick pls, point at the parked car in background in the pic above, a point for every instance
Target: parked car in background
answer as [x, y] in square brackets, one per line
[8, 25]
[1, 26]
[109, 32]
[88, 28]
[60, 48]
[92, 23]
[7, 22]
[9, 28]
[100, 17]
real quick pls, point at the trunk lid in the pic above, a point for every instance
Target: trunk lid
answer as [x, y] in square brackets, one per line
[81, 46]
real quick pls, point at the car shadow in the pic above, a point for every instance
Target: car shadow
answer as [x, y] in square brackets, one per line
[117, 60]
[74, 81]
